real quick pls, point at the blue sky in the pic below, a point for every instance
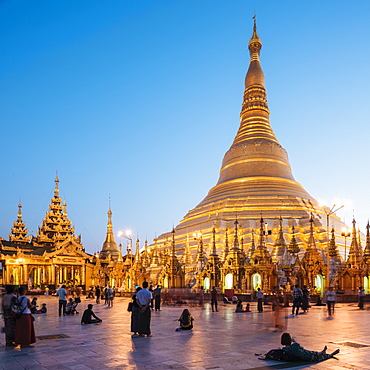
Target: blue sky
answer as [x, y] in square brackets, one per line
[140, 100]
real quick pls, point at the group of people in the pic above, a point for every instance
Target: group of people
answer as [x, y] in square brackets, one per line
[107, 294]
[141, 310]
[19, 329]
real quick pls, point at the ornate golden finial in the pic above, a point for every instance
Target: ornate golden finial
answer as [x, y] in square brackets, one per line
[354, 232]
[56, 190]
[20, 211]
[255, 43]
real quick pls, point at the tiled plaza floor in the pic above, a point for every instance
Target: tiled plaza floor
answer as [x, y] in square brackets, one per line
[223, 340]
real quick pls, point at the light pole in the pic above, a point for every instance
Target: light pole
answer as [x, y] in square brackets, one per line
[328, 213]
[346, 234]
[127, 235]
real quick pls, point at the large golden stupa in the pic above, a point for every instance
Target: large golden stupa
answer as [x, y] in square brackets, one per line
[255, 182]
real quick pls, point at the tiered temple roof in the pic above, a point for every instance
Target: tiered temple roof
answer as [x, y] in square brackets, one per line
[56, 226]
[19, 231]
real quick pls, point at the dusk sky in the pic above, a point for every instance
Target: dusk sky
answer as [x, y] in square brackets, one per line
[139, 101]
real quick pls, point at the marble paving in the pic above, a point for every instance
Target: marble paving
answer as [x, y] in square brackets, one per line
[220, 340]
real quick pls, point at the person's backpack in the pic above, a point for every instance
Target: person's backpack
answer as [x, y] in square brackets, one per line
[17, 309]
[280, 355]
[277, 355]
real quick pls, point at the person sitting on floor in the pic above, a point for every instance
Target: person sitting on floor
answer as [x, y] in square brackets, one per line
[87, 316]
[71, 307]
[239, 306]
[226, 300]
[248, 308]
[186, 321]
[234, 299]
[43, 309]
[291, 347]
[34, 305]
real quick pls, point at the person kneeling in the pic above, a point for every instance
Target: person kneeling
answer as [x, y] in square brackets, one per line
[87, 316]
[186, 321]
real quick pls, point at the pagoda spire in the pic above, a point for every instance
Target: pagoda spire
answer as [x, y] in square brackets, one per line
[280, 245]
[333, 250]
[252, 248]
[56, 188]
[236, 237]
[18, 233]
[110, 246]
[293, 247]
[56, 227]
[367, 246]
[137, 250]
[355, 255]
[312, 255]
[261, 253]
[187, 258]
[214, 247]
[256, 169]
[226, 251]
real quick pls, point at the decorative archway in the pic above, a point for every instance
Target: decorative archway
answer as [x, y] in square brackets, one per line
[256, 281]
[165, 282]
[366, 284]
[206, 284]
[319, 284]
[229, 281]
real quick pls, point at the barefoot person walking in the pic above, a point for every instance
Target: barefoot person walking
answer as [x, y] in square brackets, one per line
[143, 299]
[24, 330]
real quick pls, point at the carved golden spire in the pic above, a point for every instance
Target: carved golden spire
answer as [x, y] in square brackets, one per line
[255, 74]
[110, 246]
[19, 232]
[137, 252]
[56, 226]
[355, 255]
[56, 189]
[252, 248]
[280, 245]
[367, 246]
[214, 247]
[236, 236]
[312, 255]
[293, 245]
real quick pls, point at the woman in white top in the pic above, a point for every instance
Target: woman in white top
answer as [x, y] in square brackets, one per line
[24, 330]
[330, 299]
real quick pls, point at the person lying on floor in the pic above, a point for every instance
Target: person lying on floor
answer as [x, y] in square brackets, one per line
[292, 348]
[87, 316]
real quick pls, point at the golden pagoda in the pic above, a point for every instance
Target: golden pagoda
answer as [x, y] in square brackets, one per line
[53, 257]
[110, 248]
[255, 179]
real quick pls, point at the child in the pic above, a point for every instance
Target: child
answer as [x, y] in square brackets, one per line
[248, 308]
[86, 317]
[186, 321]
[43, 309]
[71, 306]
[291, 347]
